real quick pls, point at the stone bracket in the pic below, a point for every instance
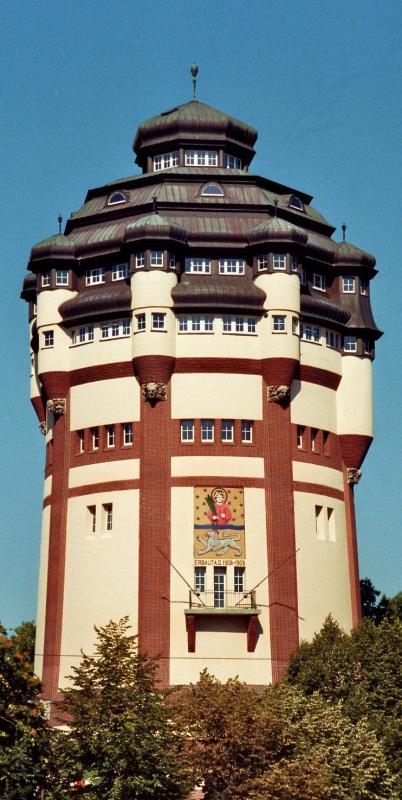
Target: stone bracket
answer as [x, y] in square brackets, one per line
[278, 394]
[57, 405]
[153, 391]
[353, 474]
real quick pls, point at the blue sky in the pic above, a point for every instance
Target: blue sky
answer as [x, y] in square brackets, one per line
[319, 79]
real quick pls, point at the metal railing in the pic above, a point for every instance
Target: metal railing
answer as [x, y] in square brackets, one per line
[222, 599]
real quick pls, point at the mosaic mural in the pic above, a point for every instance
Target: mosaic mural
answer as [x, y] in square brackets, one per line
[219, 525]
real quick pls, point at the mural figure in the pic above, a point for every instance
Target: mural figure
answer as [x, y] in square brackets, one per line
[218, 523]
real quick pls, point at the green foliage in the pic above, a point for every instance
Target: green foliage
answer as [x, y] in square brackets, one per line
[24, 735]
[121, 727]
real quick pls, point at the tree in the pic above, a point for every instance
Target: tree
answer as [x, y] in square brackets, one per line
[24, 735]
[121, 728]
[373, 608]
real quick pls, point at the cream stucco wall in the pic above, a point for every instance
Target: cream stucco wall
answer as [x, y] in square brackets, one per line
[221, 643]
[100, 351]
[247, 467]
[104, 402]
[216, 395]
[313, 405]
[314, 473]
[282, 290]
[41, 608]
[101, 573]
[48, 303]
[105, 471]
[152, 288]
[47, 486]
[354, 397]
[318, 355]
[322, 566]
[218, 344]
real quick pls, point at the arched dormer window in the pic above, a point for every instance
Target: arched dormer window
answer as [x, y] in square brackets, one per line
[116, 198]
[212, 190]
[295, 202]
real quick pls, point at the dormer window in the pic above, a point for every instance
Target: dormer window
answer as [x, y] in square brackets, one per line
[232, 162]
[201, 158]
[116, 198]
[319, 281]
[231, 266]
[295, 202]
[166, 160]
[212, 190]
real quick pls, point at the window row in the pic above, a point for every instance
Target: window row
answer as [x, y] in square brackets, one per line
[195, 158]
[313, 439]
[107, 436]
[349, 342]
[227, 266]
[202, 580]
[61, 277]
[277, 261]
[208, 427]
[100, 518]
[108, 330]
[347, 283]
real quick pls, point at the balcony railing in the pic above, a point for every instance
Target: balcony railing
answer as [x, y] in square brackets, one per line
[222, 599]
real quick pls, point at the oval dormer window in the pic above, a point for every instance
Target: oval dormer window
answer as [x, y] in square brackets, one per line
[212, 190]
[295, 202]
[115, 198]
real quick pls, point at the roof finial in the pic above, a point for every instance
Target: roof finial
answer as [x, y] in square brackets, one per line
[194, 72]
[155, 207]
[276, 205]
[343, 231]
[59, 220]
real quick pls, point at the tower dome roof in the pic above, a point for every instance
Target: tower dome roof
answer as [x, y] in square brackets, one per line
[277, 230]
[347, 253]
[196, 124]
[55, 247]
[154, 226]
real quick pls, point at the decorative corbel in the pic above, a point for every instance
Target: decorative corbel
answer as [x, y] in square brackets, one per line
[57, 405]
[153, 391]
[354, 474]
[42, 427]
[278, 394]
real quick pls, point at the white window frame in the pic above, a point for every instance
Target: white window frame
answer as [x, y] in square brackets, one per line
[187, 430]
[95, 437]
[239, 574]
[231, 266]
[156, 258]
[141, 323]
[195, 324]
[301, 429]
[119, 272]
[127, 433]
[207, 430]
[62, 277]
[166, 160]
[262, 263]
[172, 261]
[91, 519]
[332, 339]
[115, 329]
[156, 318]
[239, 325]
[303, 277]
[140, 260]
[108, 517]
[319, 282]
[83, 334]
[279, 261]
[94, 275]
[350, 343]
[227, 430]
[310, 333]
[110, 436]
[199, 266]
[48, 339]
[294, 263]
[278, 323]
[45, 280]
[364, 286]
[232, 162]
[200, 579]
[348, 284]
[212, 190]
[81, 441]
[247, 431]
[201, 158]
[121, 198]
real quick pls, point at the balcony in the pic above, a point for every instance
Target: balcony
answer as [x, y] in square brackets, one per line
[222, 603]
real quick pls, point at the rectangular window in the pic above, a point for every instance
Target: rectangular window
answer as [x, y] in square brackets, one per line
[110, 435]
[246, 431]
[319, 522]
[95, 438]
[81, 441]
[231, 266]
[295, 325]
[156, 258]
[46, 279]
[91, 519]
[48, 338]
[219, 586]
[112, 329]
[231, 162]
[201, 158]
[199, 579]
[239, 325]
[119, 271]
[332, 339]
[172, 261]
[251, 325]
[94, 275]
[140, 322]
[61, 277]
[295, 263]
[238, 584]
[140, 260]
[310, 333]
[207, 430]
[319, 281]
[314, 440]
[166, 160]
[348, 285]
[364, 286]
[127, 433]
[227, 430]
[187, 430]
[279, 261]
[300, 436]
[227, 324]
[108, 516]
[199, 265]
[367, 347]
[303, 277]
[350, 344]
[279, 323]
[331, 524]
[158, 321]
[262, 263]
[325, 443]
